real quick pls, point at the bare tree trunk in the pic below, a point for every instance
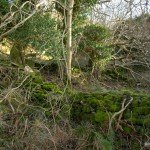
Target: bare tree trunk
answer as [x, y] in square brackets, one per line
[69, 38]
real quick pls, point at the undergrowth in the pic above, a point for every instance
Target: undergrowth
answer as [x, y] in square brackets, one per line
[36, 114]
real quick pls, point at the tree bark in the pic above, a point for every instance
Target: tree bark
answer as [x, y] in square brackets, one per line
[69, 38]
[17, 54]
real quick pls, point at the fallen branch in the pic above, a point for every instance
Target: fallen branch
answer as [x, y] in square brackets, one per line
[119, 112]
[120, 116]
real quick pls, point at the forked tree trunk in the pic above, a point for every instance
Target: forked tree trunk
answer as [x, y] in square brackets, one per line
[69, 38]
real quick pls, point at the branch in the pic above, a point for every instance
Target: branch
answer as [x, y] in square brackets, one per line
[8, 18]
[17, 26]
[13, 89]
[119, 112]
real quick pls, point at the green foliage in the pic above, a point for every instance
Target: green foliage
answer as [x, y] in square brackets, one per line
[93, 43]
[101, 116]
[41, 33]
[118, 73]
[144, 110]
[80, 6]
[127, 129]
[95, 33]
[93, 36]
[39, 97]
[4, 7]
[78, 23]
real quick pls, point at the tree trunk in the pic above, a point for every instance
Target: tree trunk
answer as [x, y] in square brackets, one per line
[69, 38]
[17, 54]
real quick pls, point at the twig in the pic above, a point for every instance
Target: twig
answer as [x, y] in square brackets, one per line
[13, 89]
[119, 112]
[120, 116]
[25, 127]
[17, 26]
[10, 18]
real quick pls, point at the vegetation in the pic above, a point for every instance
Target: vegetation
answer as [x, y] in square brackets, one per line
[69, 83]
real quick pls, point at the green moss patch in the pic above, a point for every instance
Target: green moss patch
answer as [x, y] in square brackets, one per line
[97, 107]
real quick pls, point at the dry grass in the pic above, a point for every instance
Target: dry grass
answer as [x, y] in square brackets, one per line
[28, 125]
[25, 124]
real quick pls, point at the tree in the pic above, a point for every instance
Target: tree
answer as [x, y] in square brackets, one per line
[24, 13]
[72, 8]
[69, 38]
[134, 36]
[93, 48]
[37, 29]
[40, 33]
[14, 16]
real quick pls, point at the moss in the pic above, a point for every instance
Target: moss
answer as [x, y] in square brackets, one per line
[145, 110]
[107, 99]
[146, 121]
[33, 81]
[114, 107]
[93, 107]
[47, 87]
[37, 79]
[116, 74]
[141, 100]
[136, 121]
[111, 102]
[39, 97]
[100, 116]
[145, 100]
[112, 96]
[51, 87]
[86, 109]
[48, 113]
[94, 103]
[128, 114]
[127, 129]
[41, 90]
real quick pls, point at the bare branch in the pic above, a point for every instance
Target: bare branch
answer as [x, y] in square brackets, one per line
[9, 17]
[119, 112]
